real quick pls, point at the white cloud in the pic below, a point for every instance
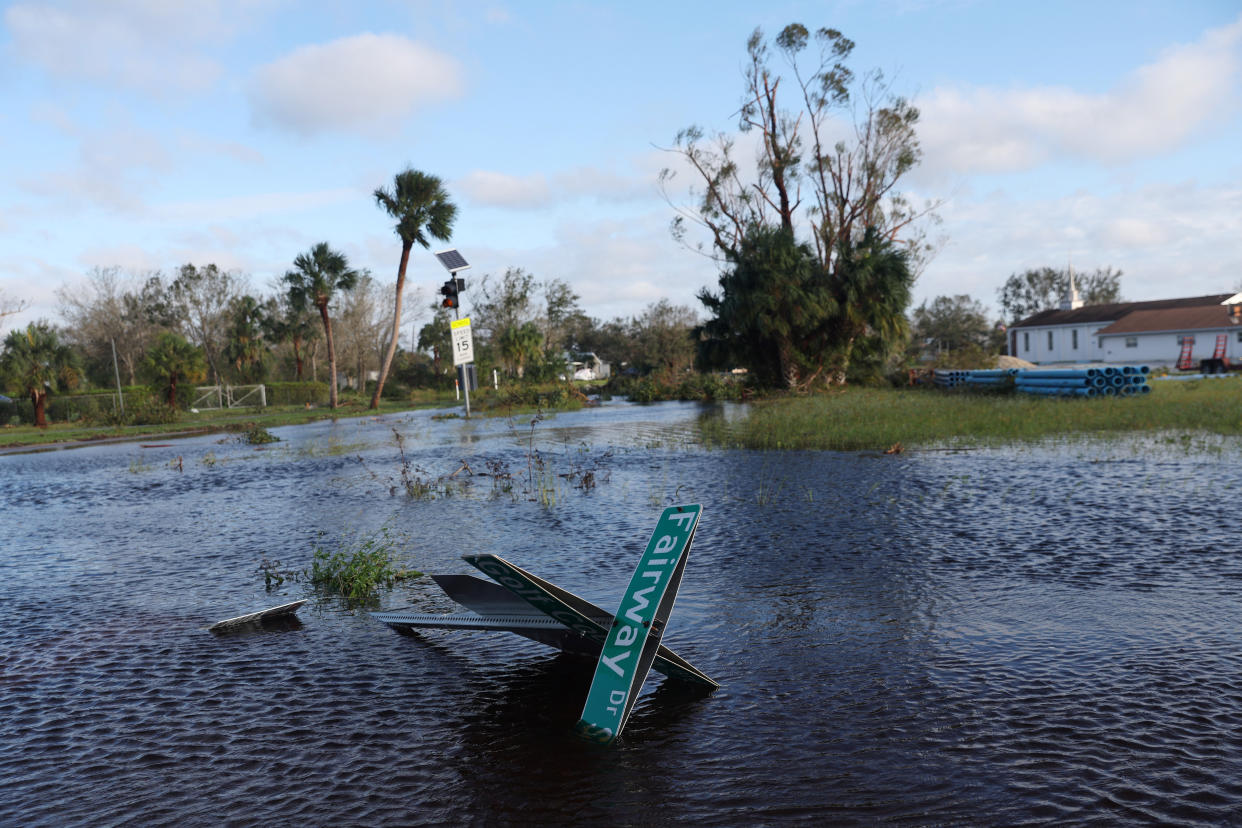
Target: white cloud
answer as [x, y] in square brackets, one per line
[496, 189]
[607, 186]
[618, 267]
[1169, 240]
[362, 83]
[114, 169]
[252, 206]
[147, 46]
[1157, 108]
[195, 144]
[131, 258]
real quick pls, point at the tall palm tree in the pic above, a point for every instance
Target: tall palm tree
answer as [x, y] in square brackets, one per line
[171, 359]
[422, 208]
[316, 277]
[36, 362]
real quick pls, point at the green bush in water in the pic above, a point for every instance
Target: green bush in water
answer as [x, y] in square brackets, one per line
[358, 569]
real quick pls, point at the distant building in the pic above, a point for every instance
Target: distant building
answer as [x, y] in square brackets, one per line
[1151, 333]
[588, 366]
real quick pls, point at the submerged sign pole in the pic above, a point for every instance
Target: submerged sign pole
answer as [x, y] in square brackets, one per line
[638, 626]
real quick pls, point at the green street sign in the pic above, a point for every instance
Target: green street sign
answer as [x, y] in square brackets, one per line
[638, 626]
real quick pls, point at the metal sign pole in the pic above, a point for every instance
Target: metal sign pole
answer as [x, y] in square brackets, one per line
[461, 369]
[454, 263]
[117, 372]
[463, 356]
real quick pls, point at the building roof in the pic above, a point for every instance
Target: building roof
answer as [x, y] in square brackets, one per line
[1204, 317]
[1116, 311]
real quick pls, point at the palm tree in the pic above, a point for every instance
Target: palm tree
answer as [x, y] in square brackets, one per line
[282, 323]
[421, 207]
[171, 358]
[35, 362]
[246, 348]
[316, 276]
[518, 345]
[871, 284]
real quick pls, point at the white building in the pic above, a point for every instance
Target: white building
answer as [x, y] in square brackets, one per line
[1149, 333]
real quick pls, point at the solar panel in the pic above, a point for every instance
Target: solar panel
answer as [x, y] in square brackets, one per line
[452, 260]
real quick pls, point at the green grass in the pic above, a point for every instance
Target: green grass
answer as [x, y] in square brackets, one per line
[876, 419]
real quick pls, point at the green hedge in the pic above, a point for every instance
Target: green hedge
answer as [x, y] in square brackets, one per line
[297, 393]
[99, 406]
[703, 387]
[17, 412]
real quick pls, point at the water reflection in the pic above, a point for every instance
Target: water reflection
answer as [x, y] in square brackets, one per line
[1035, 634]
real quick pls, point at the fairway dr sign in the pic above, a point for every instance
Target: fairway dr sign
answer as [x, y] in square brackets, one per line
[463, 342]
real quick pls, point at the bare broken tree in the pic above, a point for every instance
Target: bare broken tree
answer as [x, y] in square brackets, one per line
[10, 307]
[846, 142]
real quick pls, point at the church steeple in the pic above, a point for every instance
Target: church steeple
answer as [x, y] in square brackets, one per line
[1071, 300]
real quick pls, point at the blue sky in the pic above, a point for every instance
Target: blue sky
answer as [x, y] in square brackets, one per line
[146, 134]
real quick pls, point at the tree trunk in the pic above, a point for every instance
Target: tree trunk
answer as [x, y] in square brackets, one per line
[838, 376]
[396, 324]
[211, 364]
[172, 391]
[39, 400]
[327, 334]
[789, 371]
[297, 356]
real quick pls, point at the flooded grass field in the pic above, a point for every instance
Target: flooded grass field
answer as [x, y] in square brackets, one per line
[1033, 634]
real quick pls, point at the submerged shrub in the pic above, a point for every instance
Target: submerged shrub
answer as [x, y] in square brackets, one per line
[154, 411]
[358, 569]
[256, 435]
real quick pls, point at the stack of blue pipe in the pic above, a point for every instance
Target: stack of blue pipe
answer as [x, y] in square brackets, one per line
[994, 378]
[952, 379]
[948, 379]
[1106, 381]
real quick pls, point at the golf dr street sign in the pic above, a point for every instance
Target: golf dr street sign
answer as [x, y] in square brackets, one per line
[626, 644]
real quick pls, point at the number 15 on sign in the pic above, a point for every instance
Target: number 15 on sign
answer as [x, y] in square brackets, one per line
[463, 343]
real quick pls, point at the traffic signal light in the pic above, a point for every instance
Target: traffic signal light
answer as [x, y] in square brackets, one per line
[449, 290]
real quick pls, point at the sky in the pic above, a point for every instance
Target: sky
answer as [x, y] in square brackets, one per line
[146, 134]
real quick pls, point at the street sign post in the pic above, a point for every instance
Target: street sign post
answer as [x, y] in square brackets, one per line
[463, 353]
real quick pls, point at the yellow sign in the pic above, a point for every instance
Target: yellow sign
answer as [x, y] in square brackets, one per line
[463, 342]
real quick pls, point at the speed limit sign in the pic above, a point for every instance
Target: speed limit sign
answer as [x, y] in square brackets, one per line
[463, 342]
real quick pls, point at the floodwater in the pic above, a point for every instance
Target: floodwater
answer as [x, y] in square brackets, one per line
[1030, 635]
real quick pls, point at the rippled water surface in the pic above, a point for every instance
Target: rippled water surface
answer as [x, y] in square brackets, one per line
[1043, 634]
